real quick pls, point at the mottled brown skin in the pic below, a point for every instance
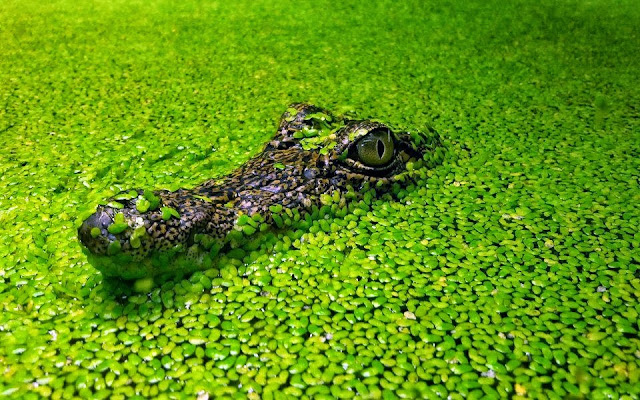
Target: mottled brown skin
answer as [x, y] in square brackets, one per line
[259, 183]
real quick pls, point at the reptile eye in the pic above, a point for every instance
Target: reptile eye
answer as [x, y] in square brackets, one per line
[376, 149]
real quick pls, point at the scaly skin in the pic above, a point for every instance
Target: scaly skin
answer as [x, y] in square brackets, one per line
[293, 175]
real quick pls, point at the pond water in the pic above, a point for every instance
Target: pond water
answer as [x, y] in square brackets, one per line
[511, 270]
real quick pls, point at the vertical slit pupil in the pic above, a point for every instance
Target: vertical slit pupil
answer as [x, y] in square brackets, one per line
[380, 148]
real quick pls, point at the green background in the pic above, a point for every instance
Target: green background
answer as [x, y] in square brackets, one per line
[512, 271]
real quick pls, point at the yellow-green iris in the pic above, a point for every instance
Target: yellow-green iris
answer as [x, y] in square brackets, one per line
[376, 149]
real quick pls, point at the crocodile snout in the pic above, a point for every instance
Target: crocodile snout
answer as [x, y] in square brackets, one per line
[94, 231]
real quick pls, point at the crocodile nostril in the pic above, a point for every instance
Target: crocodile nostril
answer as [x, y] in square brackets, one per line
[100, 220]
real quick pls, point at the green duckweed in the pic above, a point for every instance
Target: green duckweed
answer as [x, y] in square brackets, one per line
[510, 271]
[168, 213]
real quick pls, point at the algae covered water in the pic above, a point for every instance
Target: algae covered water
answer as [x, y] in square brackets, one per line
[511, 270]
